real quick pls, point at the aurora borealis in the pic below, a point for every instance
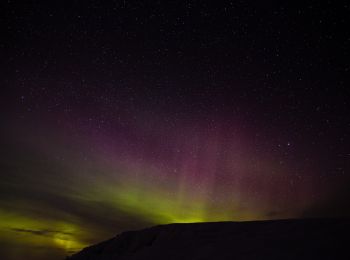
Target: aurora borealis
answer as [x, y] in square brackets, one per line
[196, 175]
[123, 115]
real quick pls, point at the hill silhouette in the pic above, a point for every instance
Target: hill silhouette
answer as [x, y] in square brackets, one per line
[275, 239]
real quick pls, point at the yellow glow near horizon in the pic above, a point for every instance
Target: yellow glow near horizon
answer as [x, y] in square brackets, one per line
[19, 229]
[158, 206]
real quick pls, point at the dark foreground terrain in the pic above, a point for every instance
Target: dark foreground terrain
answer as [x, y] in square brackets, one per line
[280, 239]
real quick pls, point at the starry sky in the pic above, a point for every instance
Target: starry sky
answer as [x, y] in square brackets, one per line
[126, 114]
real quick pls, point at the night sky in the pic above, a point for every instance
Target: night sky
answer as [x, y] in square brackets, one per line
[128, 114]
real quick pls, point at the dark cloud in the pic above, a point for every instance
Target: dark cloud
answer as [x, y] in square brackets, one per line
[44, 232]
